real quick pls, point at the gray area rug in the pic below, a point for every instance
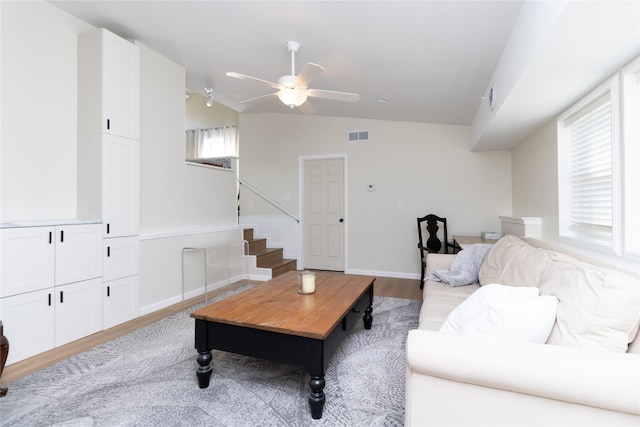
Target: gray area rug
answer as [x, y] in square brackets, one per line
[147, 378]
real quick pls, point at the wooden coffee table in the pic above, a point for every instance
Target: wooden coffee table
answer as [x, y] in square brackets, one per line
[272, 321]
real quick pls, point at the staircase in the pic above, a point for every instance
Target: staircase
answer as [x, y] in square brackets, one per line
[268, 257]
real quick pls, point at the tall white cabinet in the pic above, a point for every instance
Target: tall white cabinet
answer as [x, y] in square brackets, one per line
[109, 163]
[50, 285]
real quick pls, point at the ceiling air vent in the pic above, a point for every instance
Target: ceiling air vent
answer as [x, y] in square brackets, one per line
[362, 135]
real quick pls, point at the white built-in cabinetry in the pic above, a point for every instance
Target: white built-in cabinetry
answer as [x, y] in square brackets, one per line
[108, 85]
[109, 163]
[50, 285]
[60, 282]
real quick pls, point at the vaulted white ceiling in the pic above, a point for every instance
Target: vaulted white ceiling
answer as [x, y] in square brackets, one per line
[432, 60]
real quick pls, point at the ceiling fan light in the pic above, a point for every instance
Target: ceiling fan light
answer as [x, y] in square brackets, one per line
[209, 92]
[292, 97]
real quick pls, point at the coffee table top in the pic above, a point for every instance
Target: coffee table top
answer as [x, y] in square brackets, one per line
[276, 305]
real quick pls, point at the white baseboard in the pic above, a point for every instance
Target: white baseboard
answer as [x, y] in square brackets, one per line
[393, 274]
[195, 293]
[160, 305]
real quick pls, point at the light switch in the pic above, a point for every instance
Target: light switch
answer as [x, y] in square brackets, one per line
[371, 187]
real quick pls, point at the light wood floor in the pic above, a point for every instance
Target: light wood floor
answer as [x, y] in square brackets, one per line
[384, 286]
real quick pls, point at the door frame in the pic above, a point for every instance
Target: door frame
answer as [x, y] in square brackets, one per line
[301, 225]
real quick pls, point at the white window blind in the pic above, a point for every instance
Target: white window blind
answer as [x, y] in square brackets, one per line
[211, 143]
[591, 170]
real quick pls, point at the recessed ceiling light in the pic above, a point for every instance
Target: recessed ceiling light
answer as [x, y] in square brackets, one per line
[382, 100]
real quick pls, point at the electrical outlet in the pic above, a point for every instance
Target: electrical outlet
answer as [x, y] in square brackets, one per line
[371, 187]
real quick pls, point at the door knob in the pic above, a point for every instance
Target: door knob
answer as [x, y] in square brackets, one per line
[341, 219]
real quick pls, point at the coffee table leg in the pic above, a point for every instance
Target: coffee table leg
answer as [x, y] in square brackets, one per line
[367, 318]
[204, 370]
[316, 397]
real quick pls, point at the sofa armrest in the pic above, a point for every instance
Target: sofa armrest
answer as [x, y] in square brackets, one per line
[438, 262]
[597, 379]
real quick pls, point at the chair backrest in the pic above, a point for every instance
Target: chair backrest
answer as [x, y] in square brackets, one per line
[433, 243]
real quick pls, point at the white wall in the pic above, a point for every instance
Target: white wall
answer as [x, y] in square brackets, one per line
[39, 111]
[535, 178]
[199, 116]
[427, 168]
[174, 194]
[180, 205]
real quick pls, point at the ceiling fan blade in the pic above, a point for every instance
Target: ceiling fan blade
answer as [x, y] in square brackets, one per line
[258, 98]
[334, 95]
[255, 79]
[306, 108]
[309, 73]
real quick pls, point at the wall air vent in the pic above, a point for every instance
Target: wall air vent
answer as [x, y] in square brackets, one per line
[361, 135]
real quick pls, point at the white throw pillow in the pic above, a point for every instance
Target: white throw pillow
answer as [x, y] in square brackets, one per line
[509, 312]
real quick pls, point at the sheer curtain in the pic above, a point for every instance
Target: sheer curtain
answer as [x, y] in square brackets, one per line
[213, 142]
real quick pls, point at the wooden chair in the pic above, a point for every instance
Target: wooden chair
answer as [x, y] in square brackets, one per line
[433, 244]
[4, 353]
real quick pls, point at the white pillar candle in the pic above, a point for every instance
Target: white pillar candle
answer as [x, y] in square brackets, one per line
[308, 283]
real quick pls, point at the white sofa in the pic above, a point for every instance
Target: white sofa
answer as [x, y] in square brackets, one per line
[585, 373]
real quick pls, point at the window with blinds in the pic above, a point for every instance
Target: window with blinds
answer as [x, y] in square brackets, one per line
[591, 170]
[588, 195]
[599, 168]
[212, 147]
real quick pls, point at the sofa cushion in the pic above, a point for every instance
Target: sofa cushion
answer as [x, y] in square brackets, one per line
[514, 262]
[507, 312]
[438, 301]
[598, 308]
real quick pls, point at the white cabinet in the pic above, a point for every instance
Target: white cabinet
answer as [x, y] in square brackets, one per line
[120, 186]
[122, 301]
[121, 258]
[121, 280]
[108, 85]
[78, 310]
[109, 162]
[109, 182]
[27, 261]
[109, 132]
[51, 286]
[28, 321]
[34, 258]
[78, 253]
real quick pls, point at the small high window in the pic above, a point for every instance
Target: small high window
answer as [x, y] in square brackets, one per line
[212, 147]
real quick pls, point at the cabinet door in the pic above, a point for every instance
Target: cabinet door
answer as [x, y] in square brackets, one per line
[121, 301]
[78, 253]
[121, 86]
[120, 186]
[26, 259]
[121, 257]
[78, 310]
[28, 322]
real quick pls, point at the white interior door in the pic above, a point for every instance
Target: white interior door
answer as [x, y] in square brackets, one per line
[324, 214]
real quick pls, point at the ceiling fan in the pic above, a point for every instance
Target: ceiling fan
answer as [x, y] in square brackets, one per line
[293, 89]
